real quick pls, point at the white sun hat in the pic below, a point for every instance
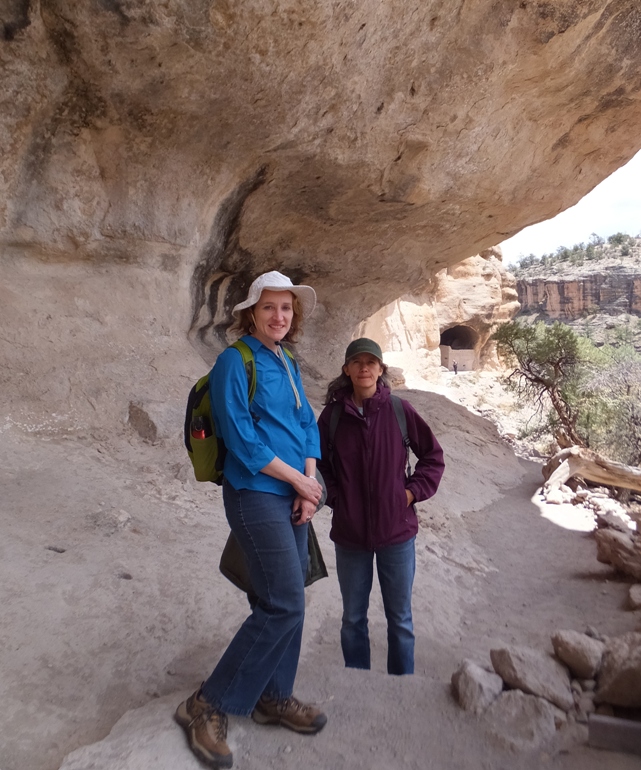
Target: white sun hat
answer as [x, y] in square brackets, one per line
[275, 281]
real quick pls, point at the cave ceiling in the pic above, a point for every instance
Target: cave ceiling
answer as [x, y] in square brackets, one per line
[357, 145]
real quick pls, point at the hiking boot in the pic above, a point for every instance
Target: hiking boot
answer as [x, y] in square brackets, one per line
[290, 713]
[206, 730]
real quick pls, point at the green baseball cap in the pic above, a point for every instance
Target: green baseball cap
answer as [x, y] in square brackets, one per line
[363, 345]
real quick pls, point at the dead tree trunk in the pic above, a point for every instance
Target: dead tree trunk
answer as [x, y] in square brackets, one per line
[578, 461]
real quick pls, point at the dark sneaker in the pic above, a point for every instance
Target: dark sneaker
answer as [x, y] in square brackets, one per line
[290, 713]
[206, 730]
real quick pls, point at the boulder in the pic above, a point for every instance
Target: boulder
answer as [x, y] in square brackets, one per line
[620, 549]
[534, 672]
[521, 722]
[619, 682]
[474, 687]
[580, 653]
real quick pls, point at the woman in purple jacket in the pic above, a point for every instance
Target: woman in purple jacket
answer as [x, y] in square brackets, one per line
[364, 466]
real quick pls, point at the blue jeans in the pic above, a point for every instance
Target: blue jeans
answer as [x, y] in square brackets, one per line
[396, 565]
[263, 656]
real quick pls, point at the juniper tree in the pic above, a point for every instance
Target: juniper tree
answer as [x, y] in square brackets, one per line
[547, 368]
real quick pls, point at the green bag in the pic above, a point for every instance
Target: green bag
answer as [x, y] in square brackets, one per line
[206, 450]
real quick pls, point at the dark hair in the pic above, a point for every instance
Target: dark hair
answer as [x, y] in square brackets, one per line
[244, 324]
[343, 381]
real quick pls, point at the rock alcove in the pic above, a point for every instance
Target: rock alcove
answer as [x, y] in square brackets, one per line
[459, 343]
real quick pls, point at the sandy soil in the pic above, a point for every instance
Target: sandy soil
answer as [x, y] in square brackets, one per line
[111, 601]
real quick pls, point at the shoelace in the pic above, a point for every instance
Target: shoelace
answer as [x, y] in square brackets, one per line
[220, 721]
[291, 702]
[283, 358]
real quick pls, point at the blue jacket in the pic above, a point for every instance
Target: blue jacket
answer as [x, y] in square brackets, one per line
[366, 482]
[281, 431]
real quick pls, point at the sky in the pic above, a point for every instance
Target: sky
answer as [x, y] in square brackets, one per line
[613, 206]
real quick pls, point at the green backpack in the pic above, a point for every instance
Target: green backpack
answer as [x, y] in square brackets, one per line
[206, 450]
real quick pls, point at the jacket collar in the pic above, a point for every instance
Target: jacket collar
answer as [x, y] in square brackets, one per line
[370, 405]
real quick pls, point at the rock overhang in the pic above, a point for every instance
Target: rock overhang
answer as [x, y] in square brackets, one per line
[359, 146]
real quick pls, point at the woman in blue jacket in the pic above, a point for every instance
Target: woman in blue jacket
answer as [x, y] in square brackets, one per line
[270, 494]
[364, 465]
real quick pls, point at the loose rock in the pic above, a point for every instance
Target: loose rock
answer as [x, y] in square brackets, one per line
[620, 549]
[581, 654]
[522, 722]
[619, 682]
[534, 672]
[475, 688]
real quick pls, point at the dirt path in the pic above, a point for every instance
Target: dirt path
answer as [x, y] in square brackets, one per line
[128, 610]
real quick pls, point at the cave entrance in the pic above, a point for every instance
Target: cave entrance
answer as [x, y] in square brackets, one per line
[458, 348]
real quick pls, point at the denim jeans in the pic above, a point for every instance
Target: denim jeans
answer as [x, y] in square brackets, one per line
[395, 565]
[263, 656]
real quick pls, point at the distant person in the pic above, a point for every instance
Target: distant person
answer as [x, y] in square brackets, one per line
[270, 494]
[455, 366]
[364, 465]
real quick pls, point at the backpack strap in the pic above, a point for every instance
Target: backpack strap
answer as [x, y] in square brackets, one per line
[247, 355]
[250, 368]
[335, 416]
[401, 419]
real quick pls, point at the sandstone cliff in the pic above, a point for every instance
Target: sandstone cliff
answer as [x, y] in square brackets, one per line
[566, 290]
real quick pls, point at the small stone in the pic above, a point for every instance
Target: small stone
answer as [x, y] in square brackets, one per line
[635, 596]
[592, 632]
[586, 703]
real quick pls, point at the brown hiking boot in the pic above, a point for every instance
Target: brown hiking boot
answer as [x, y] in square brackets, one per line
[290, 713]
[206, 730]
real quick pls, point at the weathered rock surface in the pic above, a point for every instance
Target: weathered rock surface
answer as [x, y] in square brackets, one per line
[360, 147]
[143, 737]
[580, 653]
[460, 307]
[521, 722]
[475, 688]
[620, 549]
[534, 672]
[619, 682]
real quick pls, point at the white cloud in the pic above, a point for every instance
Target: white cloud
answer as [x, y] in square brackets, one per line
[613, 206]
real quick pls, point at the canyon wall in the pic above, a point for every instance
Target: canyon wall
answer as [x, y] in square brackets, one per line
[156, 155]
[615, 291]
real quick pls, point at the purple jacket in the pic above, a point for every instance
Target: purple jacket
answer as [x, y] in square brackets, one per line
[366, 485]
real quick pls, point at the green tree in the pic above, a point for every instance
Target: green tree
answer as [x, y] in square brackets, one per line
[547, 368]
